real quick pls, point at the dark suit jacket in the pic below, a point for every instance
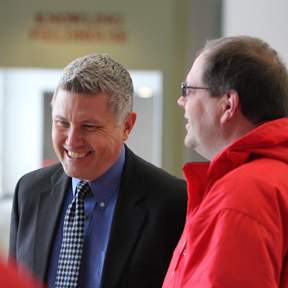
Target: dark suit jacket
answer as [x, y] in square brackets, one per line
[147, 224]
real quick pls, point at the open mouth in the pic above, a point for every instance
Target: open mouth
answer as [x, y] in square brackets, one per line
[75, 155]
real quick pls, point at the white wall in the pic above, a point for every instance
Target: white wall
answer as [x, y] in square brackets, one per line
[22, 120]
[266, 19]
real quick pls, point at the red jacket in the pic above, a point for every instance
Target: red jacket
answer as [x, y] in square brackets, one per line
[9, 277]
[236, 232]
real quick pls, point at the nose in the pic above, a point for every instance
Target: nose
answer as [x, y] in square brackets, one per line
[181, 101]
[74, 138]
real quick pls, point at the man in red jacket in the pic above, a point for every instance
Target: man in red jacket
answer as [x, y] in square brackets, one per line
[236, 234]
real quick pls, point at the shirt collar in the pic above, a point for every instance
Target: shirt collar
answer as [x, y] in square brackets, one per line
[106, 185]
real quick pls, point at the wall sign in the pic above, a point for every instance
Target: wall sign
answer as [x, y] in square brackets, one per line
[70, 26]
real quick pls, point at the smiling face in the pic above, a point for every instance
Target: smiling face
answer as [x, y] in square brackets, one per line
[203, 113]
[85, 137]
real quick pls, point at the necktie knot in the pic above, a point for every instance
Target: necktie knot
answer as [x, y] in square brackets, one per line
[82, 189]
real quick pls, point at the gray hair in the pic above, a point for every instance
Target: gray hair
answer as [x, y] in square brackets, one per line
[96, 73]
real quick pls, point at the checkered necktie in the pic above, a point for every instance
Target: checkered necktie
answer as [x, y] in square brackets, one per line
[73, 237]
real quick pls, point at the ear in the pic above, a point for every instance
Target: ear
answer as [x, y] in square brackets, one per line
[230, 105]
[128, 124]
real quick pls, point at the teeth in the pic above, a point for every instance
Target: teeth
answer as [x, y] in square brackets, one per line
[77, 155]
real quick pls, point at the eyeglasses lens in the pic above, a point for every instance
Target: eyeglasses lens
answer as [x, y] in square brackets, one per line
[183, 90]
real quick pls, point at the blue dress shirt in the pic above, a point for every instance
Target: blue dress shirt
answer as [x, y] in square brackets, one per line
[99, 209]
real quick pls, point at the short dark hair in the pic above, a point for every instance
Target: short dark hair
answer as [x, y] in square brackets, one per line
[251, 67]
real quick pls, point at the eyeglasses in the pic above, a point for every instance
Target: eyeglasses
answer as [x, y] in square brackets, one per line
[184, 88]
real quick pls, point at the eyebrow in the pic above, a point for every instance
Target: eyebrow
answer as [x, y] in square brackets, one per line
[92, 121]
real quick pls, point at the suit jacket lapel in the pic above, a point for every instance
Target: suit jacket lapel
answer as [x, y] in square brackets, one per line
[49, 209]
[127, 222]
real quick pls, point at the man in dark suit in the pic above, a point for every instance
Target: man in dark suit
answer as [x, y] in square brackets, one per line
[134, 211]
